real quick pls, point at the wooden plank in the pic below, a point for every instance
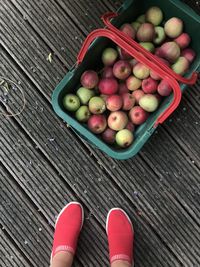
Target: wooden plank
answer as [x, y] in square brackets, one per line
[32, 234]
[81, 179]
[10, 255]
[32, 172]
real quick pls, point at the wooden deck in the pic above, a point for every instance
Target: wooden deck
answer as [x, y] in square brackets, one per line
[43, 165]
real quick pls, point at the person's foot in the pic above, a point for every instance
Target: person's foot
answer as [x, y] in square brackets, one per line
[120, 237]
[67, 229]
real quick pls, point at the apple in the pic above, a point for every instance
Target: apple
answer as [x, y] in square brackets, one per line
[97, 123]
[181, 66]
[183, 40]
[154, 15]
[133, 62]
[141, 71]
[159, 35]
[117, 120]
[137, 94]
[108, 86]
[89, 79]
[124, 138]
[128, 30]
[82, 114]
[135, 25]
[107, 72]
[71, 102]
[109, 136]
[97, 105]
[123, 54]
[148, 46]
[189, 54]
[114, 102]
[130, 126]
[133, 83]
[138, 115]
[128, 101]
[146, 32]
[109, 56]
[122, 69]
[122, 89]
[84, 95]
[173, 27]
[141, 18]
[153, 74]
[149, 102]
[149, 85]
[170, 51]
[164, 89]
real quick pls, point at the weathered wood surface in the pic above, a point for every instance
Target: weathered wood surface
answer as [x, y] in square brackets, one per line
[159, 188]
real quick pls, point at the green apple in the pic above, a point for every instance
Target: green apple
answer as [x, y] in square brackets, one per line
[71, 102]
[85, 94]
[160, 35]
[141, 19]
[149, 102]
[82, 114]
[97, 105]
[124, 138]
[135, 25]
[148, 46]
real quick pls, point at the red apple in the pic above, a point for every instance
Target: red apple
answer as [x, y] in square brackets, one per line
[128, 30]
[108, 86]
[153, 74]
[128, 101]
[146, 32]
[107, 72]
[97, 123]
[89, 79]
[170, 51]
[189, 54]
[130, 126]
[122, 89]
[117, 120]
[164, 89]
[138, 115]
[137, 94]
[183, 40]
[109, 136]
[122, 69]
[114, 102]
[149, 85]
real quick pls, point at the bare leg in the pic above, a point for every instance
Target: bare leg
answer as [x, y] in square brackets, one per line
[62, 259]
[120, 263]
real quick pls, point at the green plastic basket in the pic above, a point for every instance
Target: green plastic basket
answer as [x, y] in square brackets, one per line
[127, 13]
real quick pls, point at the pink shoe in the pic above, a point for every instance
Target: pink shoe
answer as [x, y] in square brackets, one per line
[67, 228]
[120, 236]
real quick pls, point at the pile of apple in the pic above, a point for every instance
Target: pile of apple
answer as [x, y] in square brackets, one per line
[114, 101]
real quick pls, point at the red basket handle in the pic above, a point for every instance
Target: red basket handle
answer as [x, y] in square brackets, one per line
[106, 19]
[140, 57]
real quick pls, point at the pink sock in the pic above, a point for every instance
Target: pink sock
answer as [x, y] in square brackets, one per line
[67, 228]
[120, 236]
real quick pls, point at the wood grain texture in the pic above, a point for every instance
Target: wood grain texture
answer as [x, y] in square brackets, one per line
[164, 208]
[78, 176]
